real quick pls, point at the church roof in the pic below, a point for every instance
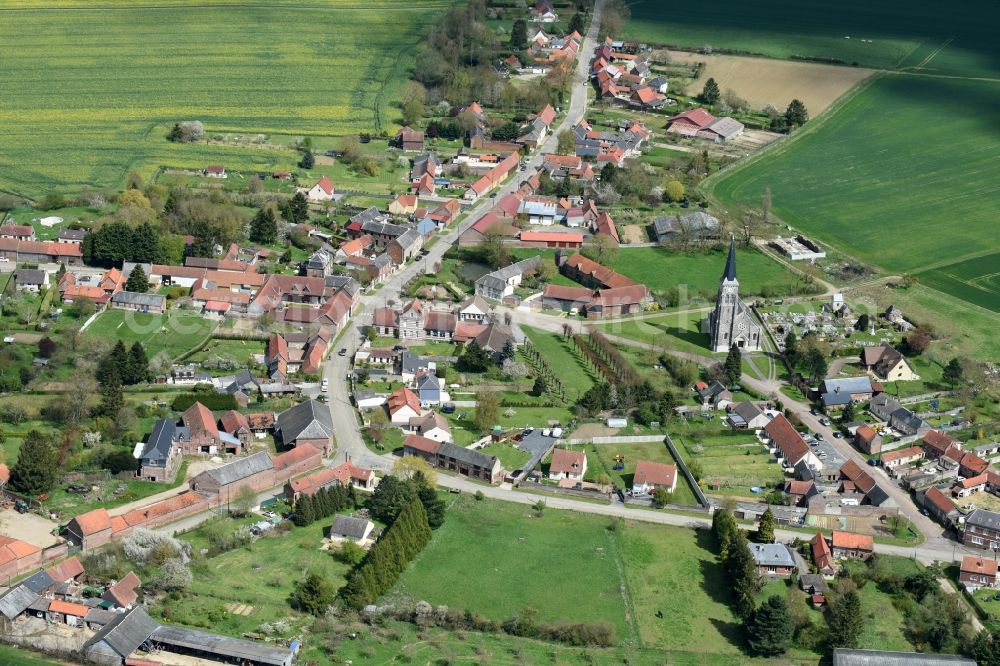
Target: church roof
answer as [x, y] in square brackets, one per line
[730, 272]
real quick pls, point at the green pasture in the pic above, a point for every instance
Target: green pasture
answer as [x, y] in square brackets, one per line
[175, 332]
[699, 272]
[569, 366]
[93, 88]
[498, 558]
[672, 330]
[877, 178]
[601, 458]
[914, 36]
[733, 463]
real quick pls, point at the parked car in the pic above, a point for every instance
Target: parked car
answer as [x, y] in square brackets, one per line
[342, 352]
[836, 434]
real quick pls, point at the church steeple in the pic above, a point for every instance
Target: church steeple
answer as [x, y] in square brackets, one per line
[730, 273]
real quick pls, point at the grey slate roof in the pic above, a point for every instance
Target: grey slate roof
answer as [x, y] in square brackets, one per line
[408, 238]
[38, 582]
[235, 649]
[241, 468]
[30, 276]
[847, 657]
[345, 282]
[161, 440]
[73, 235]
[16, 600]
[126, 633]
[862, 384]
[410, 362]
[748, 411]
[136, 298]
[383, 228]
[983, 518]
[369, 215]
[497, 280]
[772, 554]
[349, 526]
[467, 456]
[306, 420]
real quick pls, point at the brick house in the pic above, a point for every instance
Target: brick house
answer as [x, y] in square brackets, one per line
[444, 455]
[91, 529]
[773, 559]
[866, 439]
[851, 546]
[977, 572]
[982, 529]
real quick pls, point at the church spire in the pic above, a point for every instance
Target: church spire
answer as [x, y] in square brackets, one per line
[730, 272]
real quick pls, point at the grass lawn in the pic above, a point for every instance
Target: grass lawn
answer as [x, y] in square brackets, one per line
[510, 457]
[699, 271]
[873, 170]
[175, 332]
[677, 330]
[497, 559]
[568, 365]
[603, 455]
[12, 656]
[898, 33]
[189, 60]
[730, 464]
[234, 351]
[262, 575]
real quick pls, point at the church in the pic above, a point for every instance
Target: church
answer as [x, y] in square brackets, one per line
[732, 321]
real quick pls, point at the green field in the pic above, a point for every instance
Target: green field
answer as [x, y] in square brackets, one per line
[11, 656]
[731, 464]
[93, 87]
[569, 366]
[679, 330]
[176, 332]
[494, 558]
[876, 172]
[699, 272]
[902, 34]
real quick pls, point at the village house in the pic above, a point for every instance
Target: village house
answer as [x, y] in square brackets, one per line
[691, 228]
[432, 426]
[72, 235]
[17, 557]
[822, 557]
[447, 456]
[868, 440]
[160, 457]
[746, 416]
[215, 171]
[851, 546]
[800, 491]
[409, 140]
[566, 464]
[982, 529]
[702, 124]
[941, 507]
[351, 528]
[321, 191]
[887, 364]
[139, 302]
[789, 446]
[402, 404]
[24, 232]
[835, 393]
[502, 282]
[652, 475]
[774, 560]
[255, 471]
[349, 474]
[30, 280]
[964, 487]
[306, 423]
[894, 459]
[977, 572]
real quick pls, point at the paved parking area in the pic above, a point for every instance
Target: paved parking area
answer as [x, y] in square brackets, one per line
[28, 527]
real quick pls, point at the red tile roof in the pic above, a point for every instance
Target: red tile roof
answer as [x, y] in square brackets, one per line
[421, 444]
[550, 237]
[564, 293]
[311, 483]
[14, 549]
[973, 463]
[699, 117]
[938, 441]
[325, 184]
[605, 225]
[601, 274]
[233, 421]
[199, 421]
[123, 592]
[68, 608]
[939, 500]
[348, 471]
[66, 570]
[972, 482]
[973, 564]
[852, 470]
[866, 433]
[403, 397]
[299, 454]
[565, 461]
[911, 452]
[93, 521]
[653, 473]
[852, 541]
[787, 439]
[822, 556]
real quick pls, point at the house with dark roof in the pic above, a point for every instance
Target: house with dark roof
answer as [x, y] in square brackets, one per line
[982, 529]
[502, 282]
[30, 280]
[691, 228]
[447, 456]
[746, 416]
[16, 600]
[139, 302]
[774, 560]
[850, 657]
[835, 393]
[308, 422]
[160, 457]
[352, 528]
[255, 471]
[886, 364]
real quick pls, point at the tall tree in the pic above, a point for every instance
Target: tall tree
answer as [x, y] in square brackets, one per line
[846, 620]
[494, 246]
[389, 498]
[137, 281]
[487, 410]
[314, 594]
[710, 94]
[308, 160]
[743, 575]
[112, 398]
[765, 529]
[815, 365]
[576, 23]
[298, 208]
[264, 226]
[519, 35]
[433, 505]
[769, 631]
[35, 470]
[303, 514]
[734, 364]
[137, 366]
[953, 373]
[796, 113]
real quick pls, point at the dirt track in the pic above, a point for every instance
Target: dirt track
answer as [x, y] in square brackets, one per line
[763, 81]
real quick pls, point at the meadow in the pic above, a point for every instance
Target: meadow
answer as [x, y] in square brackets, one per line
[574, 373]
[892, 34]
[699, 271]
[175, 333]
[92, 89]
[731, 464]
[876, 178]
[602, 457]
